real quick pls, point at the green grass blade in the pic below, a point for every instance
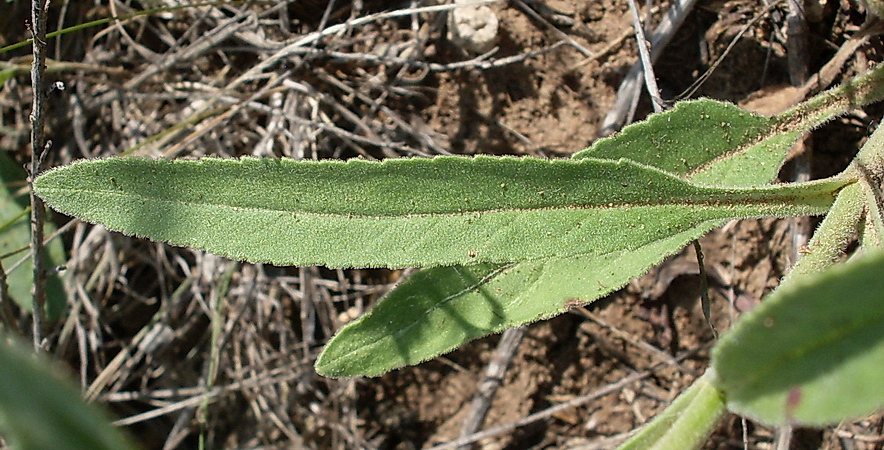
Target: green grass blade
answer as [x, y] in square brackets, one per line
[39, 410]
[812, 352]
[407, 212]
[107, 20]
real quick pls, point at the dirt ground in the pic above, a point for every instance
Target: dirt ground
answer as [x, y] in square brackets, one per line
[238, 79]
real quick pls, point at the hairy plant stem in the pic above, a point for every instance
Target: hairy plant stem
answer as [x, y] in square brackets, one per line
[829, 244]
[38, 210]
[862, 90]
[869, 167]
[855, 213]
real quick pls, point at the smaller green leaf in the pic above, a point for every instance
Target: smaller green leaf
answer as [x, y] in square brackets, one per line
[686, 423]
[706, 141]
[39, 410]
[717, 143]
[812, 352]
[692, 135]
[15, 234]
[438, 309]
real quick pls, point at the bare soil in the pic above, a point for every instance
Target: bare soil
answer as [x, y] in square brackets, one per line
[196, 82]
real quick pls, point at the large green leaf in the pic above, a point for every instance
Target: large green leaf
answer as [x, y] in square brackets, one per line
[812, 352]
[406, 212]
[734, 139]
[39, 410]
[704, 141]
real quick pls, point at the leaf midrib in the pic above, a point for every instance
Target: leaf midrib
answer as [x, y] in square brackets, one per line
[727, 198]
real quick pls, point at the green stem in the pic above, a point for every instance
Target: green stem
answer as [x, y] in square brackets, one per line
[857, 209]
[829, 244]
[862, 90]
[686, 423]
[869, 169]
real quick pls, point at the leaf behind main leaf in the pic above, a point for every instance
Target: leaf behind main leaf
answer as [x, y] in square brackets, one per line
[692, 135]
[436, 310]
[717, 143]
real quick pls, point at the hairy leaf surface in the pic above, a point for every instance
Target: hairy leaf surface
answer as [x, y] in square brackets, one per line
[692, 136]
[718, 143]
[406, 212]
[438, 309]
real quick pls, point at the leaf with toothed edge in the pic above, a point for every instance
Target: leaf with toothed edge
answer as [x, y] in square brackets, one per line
[406, 212]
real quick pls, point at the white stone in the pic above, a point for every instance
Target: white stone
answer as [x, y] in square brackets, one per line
[472, 27]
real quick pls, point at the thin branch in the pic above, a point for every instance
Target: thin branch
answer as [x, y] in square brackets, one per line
[645, 58]
[664, 32]
[494, 375]
[570, 404]
[543, 18]
[798, 56]
[797, 38]
[38, 144]
[692, 89]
